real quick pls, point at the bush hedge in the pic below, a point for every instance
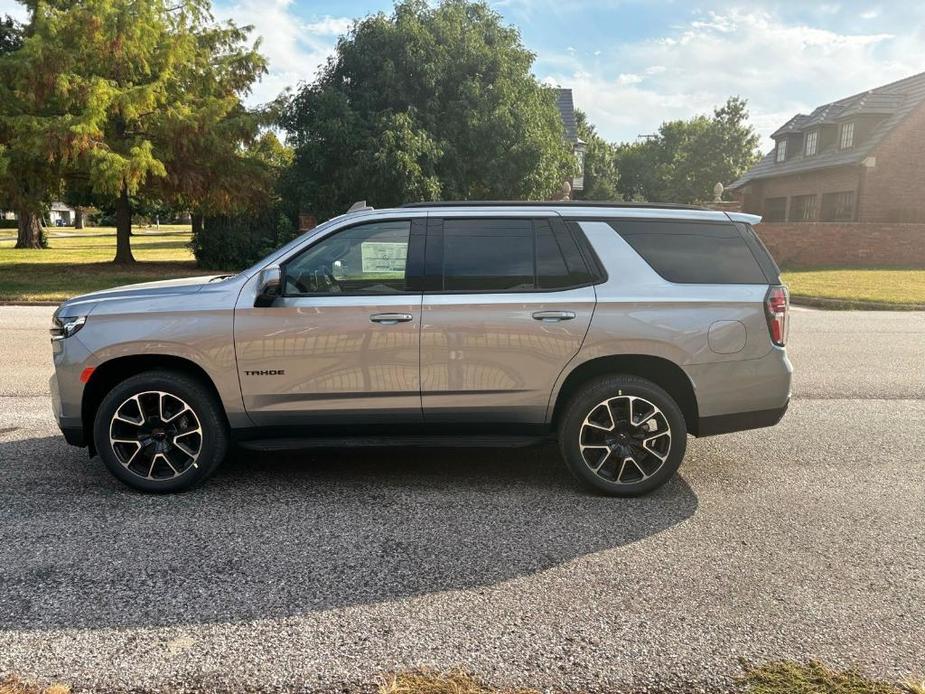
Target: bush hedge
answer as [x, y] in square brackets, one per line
[234, 242]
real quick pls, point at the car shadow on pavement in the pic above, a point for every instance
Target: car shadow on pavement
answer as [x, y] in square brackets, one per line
[277, 535]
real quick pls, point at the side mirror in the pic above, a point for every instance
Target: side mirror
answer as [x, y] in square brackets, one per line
[269, 285]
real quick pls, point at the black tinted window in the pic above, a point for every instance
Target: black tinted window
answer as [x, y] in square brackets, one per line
[558, 260]
[488, 255]
[693, 252]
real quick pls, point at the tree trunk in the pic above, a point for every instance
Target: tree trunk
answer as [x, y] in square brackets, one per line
[78, 218]
[196, 221]
[30, 230]
[123, 229]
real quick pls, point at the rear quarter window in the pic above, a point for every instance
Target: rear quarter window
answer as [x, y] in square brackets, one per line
[693, 252]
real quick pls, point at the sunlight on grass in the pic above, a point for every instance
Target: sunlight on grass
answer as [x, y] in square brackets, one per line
[426, 682]
[885, 286]
[787, 677]
[80, 261]
[13, 685]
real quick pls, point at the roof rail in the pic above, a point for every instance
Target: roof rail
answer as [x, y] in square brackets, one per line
[553, 203]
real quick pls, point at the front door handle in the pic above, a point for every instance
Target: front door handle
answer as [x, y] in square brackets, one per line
[553, 316]
[390, 318]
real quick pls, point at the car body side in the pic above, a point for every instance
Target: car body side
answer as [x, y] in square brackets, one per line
[710, 340]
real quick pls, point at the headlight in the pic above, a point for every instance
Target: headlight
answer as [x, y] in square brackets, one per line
[62, 328]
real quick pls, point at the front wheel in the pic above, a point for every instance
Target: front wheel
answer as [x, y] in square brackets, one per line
[160, 431]
[622, 435]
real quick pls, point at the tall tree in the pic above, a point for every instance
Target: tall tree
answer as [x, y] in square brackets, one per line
[427, 102]
[177, 81]
[686, 159]
[38, 128]
[601, 174]
[125, 91]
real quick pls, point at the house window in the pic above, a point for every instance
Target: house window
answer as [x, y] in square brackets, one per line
[812, 141]
[775, 209]
[803, 208]
[846, 140]
[838, 207]
[781, 150]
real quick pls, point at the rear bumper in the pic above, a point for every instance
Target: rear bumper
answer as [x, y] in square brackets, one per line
[741, 421]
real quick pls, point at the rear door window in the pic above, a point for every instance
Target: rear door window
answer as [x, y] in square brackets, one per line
[504, 255]
[488, 255]
[693, 252]
[558, 261]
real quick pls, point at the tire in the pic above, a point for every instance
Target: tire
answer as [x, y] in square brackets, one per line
[170, 433]
[625, 460]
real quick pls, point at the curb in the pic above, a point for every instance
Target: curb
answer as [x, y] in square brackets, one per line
[851, 304]
[32, 303]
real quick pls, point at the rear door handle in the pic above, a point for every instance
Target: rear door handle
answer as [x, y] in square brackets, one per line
[390, 318]
[553, 316]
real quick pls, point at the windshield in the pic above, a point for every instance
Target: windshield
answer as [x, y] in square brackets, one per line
[284, 250]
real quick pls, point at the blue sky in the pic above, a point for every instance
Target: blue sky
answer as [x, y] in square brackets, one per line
[635, 63]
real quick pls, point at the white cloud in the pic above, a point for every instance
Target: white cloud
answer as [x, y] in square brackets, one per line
[781, 68]
[629, 78]
[14, 9]
[295, 49]
[330, 26]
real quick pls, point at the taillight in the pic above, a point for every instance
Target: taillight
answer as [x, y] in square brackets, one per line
[776, 306]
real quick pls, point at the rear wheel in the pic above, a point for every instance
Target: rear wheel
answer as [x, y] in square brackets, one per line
[160, 431]
[622, 435]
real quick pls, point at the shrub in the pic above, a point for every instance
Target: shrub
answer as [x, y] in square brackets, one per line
[233, 242]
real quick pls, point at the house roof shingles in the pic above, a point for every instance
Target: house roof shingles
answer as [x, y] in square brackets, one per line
[567, 111]
[894, 100]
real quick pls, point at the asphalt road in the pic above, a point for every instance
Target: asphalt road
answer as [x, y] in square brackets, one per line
[317, 571]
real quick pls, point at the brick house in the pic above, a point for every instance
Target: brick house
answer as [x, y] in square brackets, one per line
[858, 159]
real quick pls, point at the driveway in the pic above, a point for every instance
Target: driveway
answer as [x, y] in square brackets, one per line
[317, 571]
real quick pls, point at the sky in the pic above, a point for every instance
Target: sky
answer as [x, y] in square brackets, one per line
[633, 64]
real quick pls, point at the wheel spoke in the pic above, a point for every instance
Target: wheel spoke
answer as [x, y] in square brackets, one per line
[188, 451]
[160, 422]
[636, 428]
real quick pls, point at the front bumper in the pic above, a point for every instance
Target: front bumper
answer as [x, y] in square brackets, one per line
[70, 358]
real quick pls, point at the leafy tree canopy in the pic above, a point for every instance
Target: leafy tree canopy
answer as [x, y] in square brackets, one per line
[425, 103]
[142, 98]
[601, 175]
[10, 35]
[686, 159]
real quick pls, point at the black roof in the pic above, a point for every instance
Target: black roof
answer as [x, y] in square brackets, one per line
[893, 101]
[567, 112]
[554, 203]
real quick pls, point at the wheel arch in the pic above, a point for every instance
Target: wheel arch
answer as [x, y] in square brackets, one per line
[663, 372]
[110, 373]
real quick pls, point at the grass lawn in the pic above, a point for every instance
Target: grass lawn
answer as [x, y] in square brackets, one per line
[80, 261]
[895, 287]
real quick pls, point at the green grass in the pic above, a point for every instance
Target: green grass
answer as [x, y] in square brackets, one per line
[894, 287]
[80, 261]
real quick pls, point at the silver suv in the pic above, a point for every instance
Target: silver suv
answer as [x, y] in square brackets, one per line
[619, 329]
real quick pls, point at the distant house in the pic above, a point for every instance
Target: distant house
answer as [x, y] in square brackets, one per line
[858, 159]
[59, 214]
[567, 112]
